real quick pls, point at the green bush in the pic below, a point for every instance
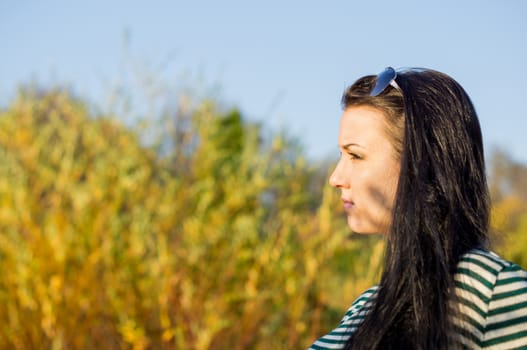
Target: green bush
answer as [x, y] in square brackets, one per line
[218, 236]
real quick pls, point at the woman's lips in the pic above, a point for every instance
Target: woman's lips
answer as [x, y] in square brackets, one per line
[347, 204]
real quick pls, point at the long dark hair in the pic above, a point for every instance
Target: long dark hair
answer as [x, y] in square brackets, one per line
[441, 209]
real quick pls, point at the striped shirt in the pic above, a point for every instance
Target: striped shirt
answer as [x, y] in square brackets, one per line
[492, 293]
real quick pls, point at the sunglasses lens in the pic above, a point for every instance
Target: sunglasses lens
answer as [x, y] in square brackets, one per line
[383, 80]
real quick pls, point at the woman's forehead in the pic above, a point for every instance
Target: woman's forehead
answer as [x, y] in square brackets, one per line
[363, 126]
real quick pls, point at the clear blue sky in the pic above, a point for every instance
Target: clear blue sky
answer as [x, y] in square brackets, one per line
[285, 63]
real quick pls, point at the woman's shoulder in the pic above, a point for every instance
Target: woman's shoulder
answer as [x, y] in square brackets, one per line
[364, 300]
[484, 264]
[493, 296]
[337, 338]
[486, 258]
[481, 271]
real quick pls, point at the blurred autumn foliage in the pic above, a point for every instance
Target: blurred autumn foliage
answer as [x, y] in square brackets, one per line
[215, 235]
[508, 188]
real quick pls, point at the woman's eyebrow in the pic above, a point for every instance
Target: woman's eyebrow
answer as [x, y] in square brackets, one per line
[348, 145]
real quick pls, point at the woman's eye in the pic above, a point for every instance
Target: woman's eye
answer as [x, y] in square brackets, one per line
[354, 156]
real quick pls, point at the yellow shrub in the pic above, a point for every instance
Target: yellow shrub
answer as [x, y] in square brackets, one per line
[219, 240]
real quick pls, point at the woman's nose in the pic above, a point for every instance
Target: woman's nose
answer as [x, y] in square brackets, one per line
[337, 178]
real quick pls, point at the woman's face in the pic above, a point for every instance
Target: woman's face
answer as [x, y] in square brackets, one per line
[368, 170]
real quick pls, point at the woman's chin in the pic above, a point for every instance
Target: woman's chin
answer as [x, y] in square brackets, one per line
[360, 228]
[355, 226]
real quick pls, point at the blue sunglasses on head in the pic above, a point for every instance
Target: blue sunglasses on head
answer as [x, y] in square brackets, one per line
[385, 78]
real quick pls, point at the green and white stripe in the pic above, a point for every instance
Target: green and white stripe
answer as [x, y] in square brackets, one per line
[492, 300]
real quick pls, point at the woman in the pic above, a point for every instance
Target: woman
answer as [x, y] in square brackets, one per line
[412, 168]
